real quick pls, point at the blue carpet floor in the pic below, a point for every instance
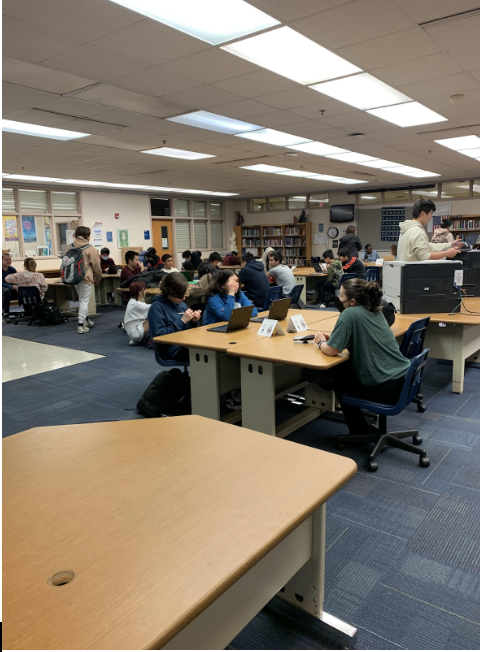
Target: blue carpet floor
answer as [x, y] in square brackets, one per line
[403, 544]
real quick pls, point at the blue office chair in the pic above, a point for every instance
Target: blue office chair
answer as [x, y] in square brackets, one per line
[412, 345]
[385, 438]
[294, 295]
[273, 294]
[347, 277]
[372, 274]
[168, 363]
[28, 297]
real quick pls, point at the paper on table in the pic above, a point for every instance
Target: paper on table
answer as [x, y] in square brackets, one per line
[320, 238]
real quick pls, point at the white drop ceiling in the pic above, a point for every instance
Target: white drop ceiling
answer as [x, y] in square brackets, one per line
[97, 67]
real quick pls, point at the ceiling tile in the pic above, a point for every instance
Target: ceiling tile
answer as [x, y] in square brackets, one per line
[449, 85]
[417, 70]
[257, 83]
[86, 20]
[203, 97]
[96, 63]
[293, 98]
[40, 77]
[38, 118]
[23, 97]
[354, 118]
[27, 43]
[212, 65]
[476, 74]
[128, 118]
[275, 119]
[72, 107]
[286, 10]
[433, 9]
[460, 38]
[155, 81]
[243, 109]
[353, 23]
[328, 106]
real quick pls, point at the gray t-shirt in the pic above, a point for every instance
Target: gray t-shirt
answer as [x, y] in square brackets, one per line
[284, 277]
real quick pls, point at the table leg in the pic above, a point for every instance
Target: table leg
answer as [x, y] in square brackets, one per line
[306, 588]
[101, 292]
[302, 280]
[258, 395]
[205, 383]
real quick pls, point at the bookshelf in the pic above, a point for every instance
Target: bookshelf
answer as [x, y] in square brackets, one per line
[294, 241]
[464, 225]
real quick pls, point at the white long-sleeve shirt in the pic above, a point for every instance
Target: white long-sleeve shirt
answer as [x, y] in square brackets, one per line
[135, 315]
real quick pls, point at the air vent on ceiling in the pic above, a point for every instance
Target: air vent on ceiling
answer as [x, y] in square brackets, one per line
[439, 131]
[365, 174]
[79, 117]
[246, 161]
[449, 17]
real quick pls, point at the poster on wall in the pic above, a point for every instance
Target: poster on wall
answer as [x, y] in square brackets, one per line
[28, 228]
[97, 234]
[10, 230]
[320, 227]
[390, 226]
[48, 237]
[109, 236]
[123, 236]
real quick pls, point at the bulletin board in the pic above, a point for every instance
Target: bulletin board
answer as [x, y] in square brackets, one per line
[369, 226]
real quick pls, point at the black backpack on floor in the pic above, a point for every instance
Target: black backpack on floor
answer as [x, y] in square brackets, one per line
[48, 314]
[167, 395]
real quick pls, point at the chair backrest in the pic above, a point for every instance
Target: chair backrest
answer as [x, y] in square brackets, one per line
[347, 277]
[372, 274]
[295, 294]
[414, 338]
[167, 363]
[273, 294]
[28, 296]
[189, 274]
[413, 379]
[389, 257]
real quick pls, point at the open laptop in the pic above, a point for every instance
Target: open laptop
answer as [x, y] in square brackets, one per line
[472, 239]
[320, 268]
[278, 310]
[238, 319]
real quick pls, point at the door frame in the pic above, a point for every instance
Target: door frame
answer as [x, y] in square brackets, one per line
[171, 219]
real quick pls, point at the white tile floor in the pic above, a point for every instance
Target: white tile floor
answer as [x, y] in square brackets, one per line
[21, 358]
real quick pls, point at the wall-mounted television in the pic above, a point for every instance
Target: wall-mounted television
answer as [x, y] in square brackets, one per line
[342, 213]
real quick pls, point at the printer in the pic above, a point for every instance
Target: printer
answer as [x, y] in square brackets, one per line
[471, 270]
[422, 286]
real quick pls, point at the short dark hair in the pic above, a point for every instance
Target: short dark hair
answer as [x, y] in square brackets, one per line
[423, 206]
[135, 288]
[446, 223]
[234, 253]
[82, 232]
[130, 255]
[247, 257]
[187, 253]
[152, 250]
[148, 255]
[367, 246]
[344, 252]
[215, 256]
[206, 268]
[220, 280]
[174, 285]
[276, 255]
[166, 257]
[105, 250]
[328, 254]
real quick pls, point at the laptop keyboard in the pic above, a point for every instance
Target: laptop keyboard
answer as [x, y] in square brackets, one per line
[219, 329]
[258, 319]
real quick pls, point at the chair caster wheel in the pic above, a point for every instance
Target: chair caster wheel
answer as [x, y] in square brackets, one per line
[372, 466]
[341, 446]
[417, 440]
[424, 461]
[421, 408]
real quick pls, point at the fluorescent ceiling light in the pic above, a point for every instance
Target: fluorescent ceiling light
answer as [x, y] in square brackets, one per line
[473, 153]
[408, 115]
[368, 197]
[291, 55]
[319, 149]
[38, 130]
[460, 143]
[329, 177]
[274, 137]
[352, 157]
[214, 122]
[177, 153]
[380, 163]
[296, 173]
[26, 177]
[261, 167]
[412, 172]
[362, 91]
[213, 21]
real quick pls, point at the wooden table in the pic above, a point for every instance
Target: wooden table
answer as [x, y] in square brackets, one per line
[177, 534]
[62, 295]
[108, 285]
[305, 276]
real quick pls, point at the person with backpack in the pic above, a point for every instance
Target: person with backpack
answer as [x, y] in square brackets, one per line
[443, 234]
[81, 268]
[332, 282]
[29, 277]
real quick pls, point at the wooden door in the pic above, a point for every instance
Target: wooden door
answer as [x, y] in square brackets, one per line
[162, 236]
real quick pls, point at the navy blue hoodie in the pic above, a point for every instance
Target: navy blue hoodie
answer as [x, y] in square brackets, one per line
[164, 318]
[255, 281]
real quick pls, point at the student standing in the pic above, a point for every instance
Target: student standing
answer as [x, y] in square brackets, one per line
[376, 369]
[136, 315]
[265, 257]
[413, 243]
[351, 241]
[187, 264]
[225, 296]
[196, 259]
[169, 314]
[334, 276]
[105, 260]
[369, 255]
[167, 260]
[443, 234]
[93, 276]
[134, 266]
[9, 291]
[253, 277]
[282, 274]
[351, 265]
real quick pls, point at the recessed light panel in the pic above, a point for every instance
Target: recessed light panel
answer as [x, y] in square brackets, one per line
[411, 172]
[214, 122]
[292, 55]
[213, 21]
[379, 163]
[27, 177]
[408, 115]
[261, 167]
[274, 137]
[41, 132]
[329, 177]
[473, 153]
[460, 143]
[352, 157]
[319, 149]
[362, 91]
[296, 173]
[177, 153]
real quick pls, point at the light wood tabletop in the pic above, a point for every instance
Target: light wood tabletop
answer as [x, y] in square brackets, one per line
[155, 523]
[459, 317]
[306, 271]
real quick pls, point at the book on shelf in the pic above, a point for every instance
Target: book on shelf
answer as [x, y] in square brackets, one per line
[270, 242]
[254, 230]
[251, 242]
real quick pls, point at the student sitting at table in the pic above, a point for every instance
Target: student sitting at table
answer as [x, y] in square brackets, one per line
[376, 369]
[169, 314]
[332, 282]
[231, 260]
[9, 291]
[369, 255]
[136, 315]
[153, 259]
[196, 259]
[134, 266]
[282, 274]
[215, 259]
[200, 291]
[225, 296]
[351, 265]
[187, 264]
[105, 260]
[168, 267]
[253, 277]
[29, 277]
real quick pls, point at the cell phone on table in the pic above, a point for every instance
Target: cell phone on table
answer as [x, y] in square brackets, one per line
[303, 338]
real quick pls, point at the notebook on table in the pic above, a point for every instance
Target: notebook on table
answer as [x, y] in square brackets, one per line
[320, 268]
[239, 318]
[278, 310]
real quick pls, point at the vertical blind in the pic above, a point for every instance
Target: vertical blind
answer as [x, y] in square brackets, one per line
[182, 233]
[216, 234]
[200, 234]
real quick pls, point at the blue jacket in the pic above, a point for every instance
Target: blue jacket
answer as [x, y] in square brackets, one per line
[370, 258]
[163, 319]
[10, 270]
[255, 281]
[220, 306]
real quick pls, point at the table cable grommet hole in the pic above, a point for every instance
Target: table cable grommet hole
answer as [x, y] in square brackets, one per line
[61, 578]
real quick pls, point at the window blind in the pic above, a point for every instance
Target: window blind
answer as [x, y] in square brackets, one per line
[199, 209]
[8, 199]
[215, 210]
[181, 207]
[216, 233]
[34, 200]
[200, 234]
[182, 233]
[64, 201]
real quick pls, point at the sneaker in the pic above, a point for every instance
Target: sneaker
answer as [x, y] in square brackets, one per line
[323, 305]
[89, 323]
[82, 328]
[131, 343]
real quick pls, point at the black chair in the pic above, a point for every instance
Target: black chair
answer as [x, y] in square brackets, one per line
[294, 295]
[412, 344]
[273, 294]
[383, 438]
[28, 297]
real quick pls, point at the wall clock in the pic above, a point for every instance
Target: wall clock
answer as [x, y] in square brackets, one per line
[332, 232]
